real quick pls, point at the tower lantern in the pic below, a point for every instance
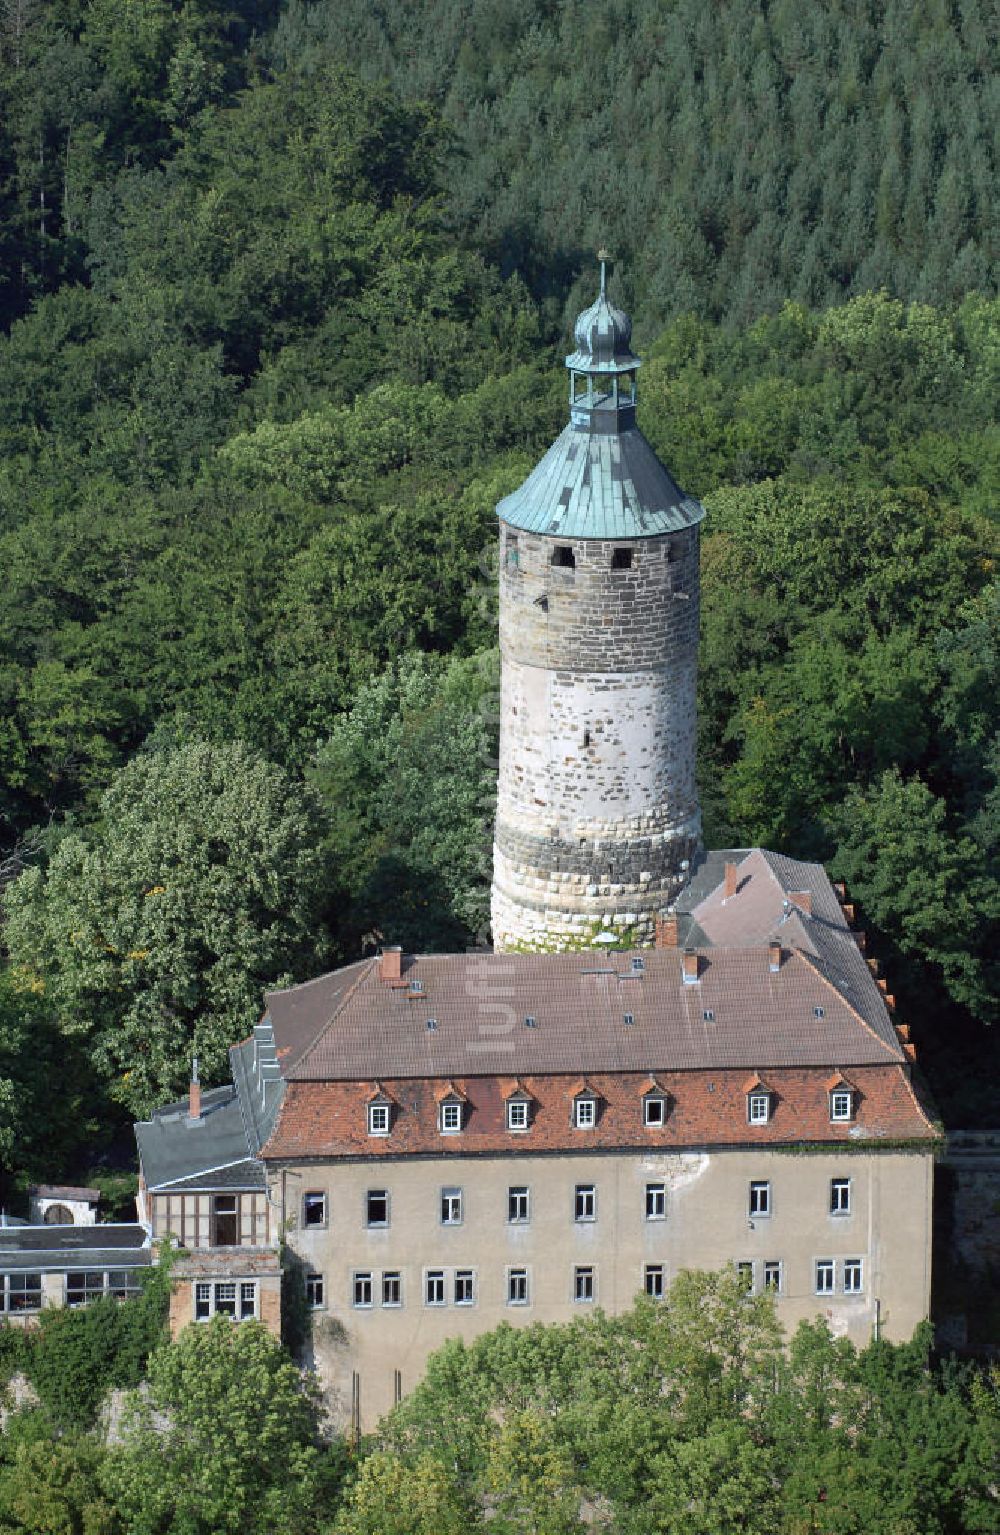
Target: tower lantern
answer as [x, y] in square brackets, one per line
[597, 815]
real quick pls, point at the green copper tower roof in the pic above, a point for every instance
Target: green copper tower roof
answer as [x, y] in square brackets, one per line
[601, 478]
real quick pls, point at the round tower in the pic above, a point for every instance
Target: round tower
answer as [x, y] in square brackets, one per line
[597, 815]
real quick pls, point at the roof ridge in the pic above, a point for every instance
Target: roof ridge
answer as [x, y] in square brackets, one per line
[363, 973]
[809, 960]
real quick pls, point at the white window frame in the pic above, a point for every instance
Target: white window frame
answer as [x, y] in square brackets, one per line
[654, 1111]
[120, 1292]
[654, 1280]
[379, 1119]
[210, 1291]
[315, 1199]
[584, 1278]
[773, 1275]
[452, 1207]
[518, 1117]
[585, 1112]
[450, 1116]
[759, 1201]
[371, 1225]
[854, 1266]
[518, 1280]
[313, 1283]
[360, 1278]
[656, 1201]
[522, 1193]
[465, 1277]
[585, 1203]
[825, 1276]
[391, 1276]
[24, 1289]
[438, 1279]
[758, 1107]
[745, 1273]
[840, 1196]
[841, 1106]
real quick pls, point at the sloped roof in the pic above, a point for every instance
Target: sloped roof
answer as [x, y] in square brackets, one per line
[37, 1248]
[176, 1151]
[593, 484]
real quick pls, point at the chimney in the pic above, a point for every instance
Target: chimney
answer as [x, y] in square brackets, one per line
[391, 963]
[774, 955]
[729, 887]
[873, 967]
[194, 1093]
[803, 899]
[666, 932]
[848, 910]
[861, 939]
[690, 966]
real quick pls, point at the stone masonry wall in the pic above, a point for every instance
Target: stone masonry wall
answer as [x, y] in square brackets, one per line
[597, 814]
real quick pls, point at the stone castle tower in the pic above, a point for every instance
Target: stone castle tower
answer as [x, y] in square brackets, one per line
[597, 817]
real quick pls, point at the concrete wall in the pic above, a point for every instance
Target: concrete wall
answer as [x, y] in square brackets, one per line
[597, 806]
[707, 1225]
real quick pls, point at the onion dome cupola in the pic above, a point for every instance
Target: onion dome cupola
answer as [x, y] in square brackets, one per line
[601, 478]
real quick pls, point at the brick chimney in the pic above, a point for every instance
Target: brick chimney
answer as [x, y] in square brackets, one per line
[194, 1092]
[729, 884]
[666, 932]
[774, 955]
[391, 963]
[690, 966]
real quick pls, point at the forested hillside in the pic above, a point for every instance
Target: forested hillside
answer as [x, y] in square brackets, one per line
[284, 292]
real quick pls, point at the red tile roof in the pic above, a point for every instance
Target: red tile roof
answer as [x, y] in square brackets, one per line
[705, 1109]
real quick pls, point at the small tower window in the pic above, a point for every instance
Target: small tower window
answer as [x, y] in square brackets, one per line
[563, 556]
[621, 559]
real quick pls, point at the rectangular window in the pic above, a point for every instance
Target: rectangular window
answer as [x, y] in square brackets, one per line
[585, 1113]
[451, 1207]
[465, 1287]
[583, 1284]
[123, 1283]
[759, 1108]
[377, 1207]
[451, 1117]
[653, 1280]
[824, 1276]
[852, 1276]
[621, 559]
[517, 1205]
[840, 1196]
[225, 1220]
[585, 1202]
[840, 1104]
[434, 1287]
[314, 1209]
[654, 1111]
[392, 1288]
[81, 1288]
[362, 1289]
[656, 1201]
[225, 1298]
[760, 1199]
[562, 555]
[772, 1276]
[248, 1300]
[517, 1287]
[314, 1292]
[744, 1273]
[202, 1301]
[517, 1114]
[378, 1119]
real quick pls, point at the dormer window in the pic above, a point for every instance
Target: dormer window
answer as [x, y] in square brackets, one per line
[450, 1116]
[758, 1107]
[841, 1104]
[379, 1118]
[517, 1114]
[584, 1111]
[654, 1111]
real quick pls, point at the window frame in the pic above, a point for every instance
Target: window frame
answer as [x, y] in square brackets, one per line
[654, 1280]
[654, 1102]
[759, 1205]
[207, 1300]
[584, 1279]
[452, 1198]
[465, 1277]
[384, 1111]
[451, 1107]
[314, 1282]
[855, 1266]
[840, 1196]
[773, 1276]
[518, 1191]
[24, 1289]
[518, 1279]
[755, 1100]
[656, 1196]
[362, 1282]
[585, 1104]
[323, 1222]
[376, 1225]
[825, 1276]
[389, 1278]
[745, 1274]
[841, 1115]
[584, 1203]
[435, 1288]
[520, 1107]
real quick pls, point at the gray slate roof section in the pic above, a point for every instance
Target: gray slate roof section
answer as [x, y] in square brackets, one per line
[600, 485]
[36, 1249]
[259, 1109]
[175, 1149]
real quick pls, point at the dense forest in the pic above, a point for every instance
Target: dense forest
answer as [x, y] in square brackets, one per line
[285, 291]
[685, 1416]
